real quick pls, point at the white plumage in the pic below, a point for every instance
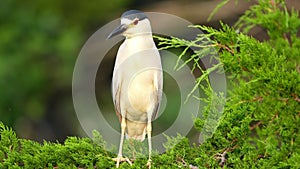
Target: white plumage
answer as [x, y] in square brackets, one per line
[137, 79]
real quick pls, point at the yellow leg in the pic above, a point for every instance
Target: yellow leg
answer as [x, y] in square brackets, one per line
[120, 156]
[149, 130]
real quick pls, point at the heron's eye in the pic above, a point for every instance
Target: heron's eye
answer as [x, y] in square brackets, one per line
[135, 21]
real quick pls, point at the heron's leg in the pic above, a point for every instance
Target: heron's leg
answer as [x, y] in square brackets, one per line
[149, 130]
[120, 156]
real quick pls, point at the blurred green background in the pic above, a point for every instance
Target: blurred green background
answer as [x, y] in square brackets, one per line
[39, 44]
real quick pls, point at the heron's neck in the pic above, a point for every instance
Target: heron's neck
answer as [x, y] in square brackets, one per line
[144, 35]
[140, 40]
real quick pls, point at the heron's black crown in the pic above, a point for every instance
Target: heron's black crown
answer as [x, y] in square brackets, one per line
[132, 14]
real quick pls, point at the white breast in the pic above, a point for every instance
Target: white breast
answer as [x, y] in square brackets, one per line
[137, 68]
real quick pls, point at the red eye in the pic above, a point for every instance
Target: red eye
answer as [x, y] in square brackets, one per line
[136, 21]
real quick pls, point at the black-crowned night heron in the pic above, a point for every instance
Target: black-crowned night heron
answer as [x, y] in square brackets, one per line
[137, 79]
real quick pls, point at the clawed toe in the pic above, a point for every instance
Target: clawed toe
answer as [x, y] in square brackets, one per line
[121, 159]
[149, 163]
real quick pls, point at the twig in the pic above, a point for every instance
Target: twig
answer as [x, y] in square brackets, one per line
[226, 47]
[222, 158]
[296, 97]
[273, 118]
[255, 125]
[260, 98]
[190, 166]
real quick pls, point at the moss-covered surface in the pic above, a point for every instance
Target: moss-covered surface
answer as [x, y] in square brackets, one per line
[260, 124]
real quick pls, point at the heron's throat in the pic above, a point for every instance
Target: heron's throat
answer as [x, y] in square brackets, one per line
[137, 44]
[142, 34]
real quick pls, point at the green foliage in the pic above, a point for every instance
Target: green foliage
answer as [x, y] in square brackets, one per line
[267, 15]
[74, 153]
[260, 124]
[79, 153]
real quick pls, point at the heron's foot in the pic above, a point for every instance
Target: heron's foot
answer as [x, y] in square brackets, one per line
[149, 163]
[121, 159]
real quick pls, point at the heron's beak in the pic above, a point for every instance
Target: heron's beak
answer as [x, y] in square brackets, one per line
[118, 30]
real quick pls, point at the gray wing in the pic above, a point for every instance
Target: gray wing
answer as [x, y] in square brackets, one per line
[158, 85]
[116, 93]
[117, 85]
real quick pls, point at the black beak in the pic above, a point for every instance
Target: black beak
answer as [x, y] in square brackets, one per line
[118, 30]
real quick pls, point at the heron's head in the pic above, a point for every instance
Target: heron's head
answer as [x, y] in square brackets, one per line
[133, 23]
